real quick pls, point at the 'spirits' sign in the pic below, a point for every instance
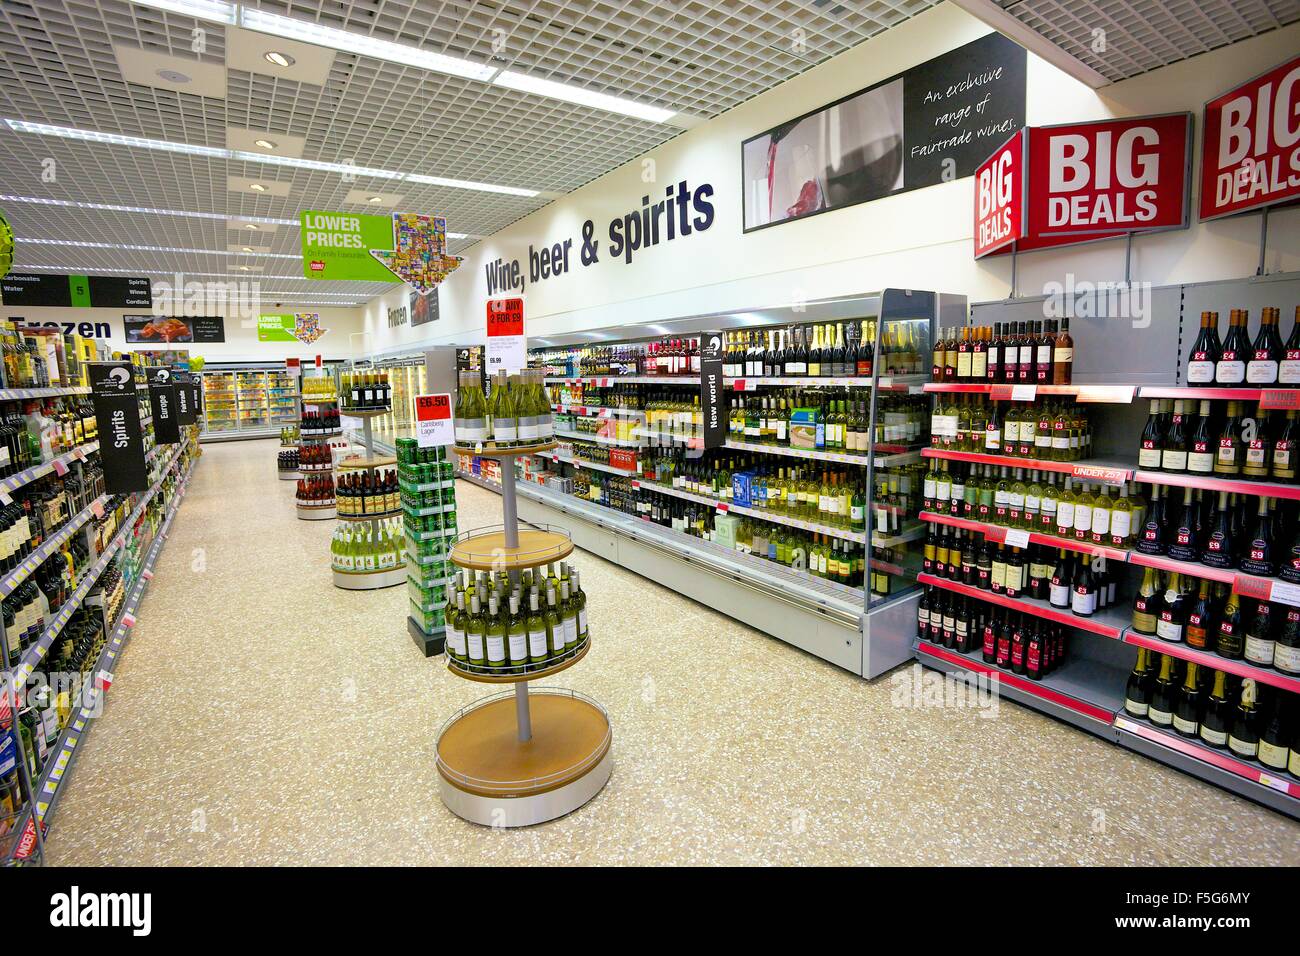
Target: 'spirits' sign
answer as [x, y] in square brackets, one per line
[1250, 157]
[682, 212]
[301, 327]
[412, 248]
[121, 437]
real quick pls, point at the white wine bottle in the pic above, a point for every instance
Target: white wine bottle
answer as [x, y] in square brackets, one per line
[494, 635]
[517, 634]
[538, 649]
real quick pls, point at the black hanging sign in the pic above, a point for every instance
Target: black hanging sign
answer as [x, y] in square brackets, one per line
[197, 391]
[713, 399]
[184, 399]
[162, 399]
[121, 437]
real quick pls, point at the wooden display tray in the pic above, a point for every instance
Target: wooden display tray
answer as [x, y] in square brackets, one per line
[578, 654]
[361, 464]
[518, 452]
[488, 551]
[480, 753]
[364, 412]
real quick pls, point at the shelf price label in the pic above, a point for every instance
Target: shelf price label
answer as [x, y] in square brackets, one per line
[1248, 585]
[433, 425]
[1111, 476]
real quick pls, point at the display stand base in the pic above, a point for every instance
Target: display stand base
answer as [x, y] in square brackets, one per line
[487, 776]
[288, 475]
[316, 514]
[369, 581]
[430, 645]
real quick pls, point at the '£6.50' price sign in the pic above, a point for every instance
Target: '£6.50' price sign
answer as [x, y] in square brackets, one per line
[433, 425]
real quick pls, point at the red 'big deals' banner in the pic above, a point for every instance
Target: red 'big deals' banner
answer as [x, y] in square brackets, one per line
[1113, 176]
[999, 197]
[1251, 154]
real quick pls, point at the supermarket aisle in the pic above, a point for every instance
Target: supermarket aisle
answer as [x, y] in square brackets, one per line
[300, 730]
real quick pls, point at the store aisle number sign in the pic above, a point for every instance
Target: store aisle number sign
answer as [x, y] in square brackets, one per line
[507, 345]
[1250, 156]
[1079, 182]
[433, 425]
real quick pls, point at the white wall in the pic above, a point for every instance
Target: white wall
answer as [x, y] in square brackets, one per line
[241, 343]
[921, 239]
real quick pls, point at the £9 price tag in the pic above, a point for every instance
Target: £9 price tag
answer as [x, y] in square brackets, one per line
[433, 424]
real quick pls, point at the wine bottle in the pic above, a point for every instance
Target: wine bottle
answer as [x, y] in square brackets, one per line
[1146, 603]
[1174, 448]
[1286, 649]
[1059, 589]
[1083, 598]
[1216, 717]
[1230, 369]
[1202, 446]
[1260, 555]
[1229, 641]
[1063, 355]
[1288, 372]
[1150, 452]
[1205, 351]
[1282, 466]
[1171, 621]
[1201, 618]
[1243, 737]
[1163, 694]
[1137, 692]
[1267, 352]
[1217, 550]
[1187, 707]
[1184, 539]
[475, 633]
[1274, 738]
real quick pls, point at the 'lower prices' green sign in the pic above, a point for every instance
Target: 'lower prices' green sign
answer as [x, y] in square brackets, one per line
[301, 327]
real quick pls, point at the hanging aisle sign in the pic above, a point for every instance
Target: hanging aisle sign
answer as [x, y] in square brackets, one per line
[507, 346]
[712, 393]
[433, 425]
[185, 407]
[1051, 186]
[1250, 156]
[163, 402]
[121, 436]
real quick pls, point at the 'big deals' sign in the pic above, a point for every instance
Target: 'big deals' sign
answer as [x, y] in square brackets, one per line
[1251, 154]
[1050, 186]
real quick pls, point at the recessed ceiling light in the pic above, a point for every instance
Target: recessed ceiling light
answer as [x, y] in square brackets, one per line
[257, 188]
[264, 143]
[173, 76]
[375, 199]
[245, 269]
[250, 226]
[115, 139]
[248, 249]
[279, 59]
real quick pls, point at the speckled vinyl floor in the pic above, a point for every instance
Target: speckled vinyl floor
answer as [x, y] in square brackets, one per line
[260, 715]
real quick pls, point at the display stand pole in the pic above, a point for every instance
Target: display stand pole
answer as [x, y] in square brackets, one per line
[1128, 258]
[367, 437]
[511, 521]
[1263, 241]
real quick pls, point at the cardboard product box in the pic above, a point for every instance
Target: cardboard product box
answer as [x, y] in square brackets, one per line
[806, 430]
[742, 488]
[725, 530]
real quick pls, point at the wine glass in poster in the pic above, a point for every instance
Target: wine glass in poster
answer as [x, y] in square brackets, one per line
[847, 153]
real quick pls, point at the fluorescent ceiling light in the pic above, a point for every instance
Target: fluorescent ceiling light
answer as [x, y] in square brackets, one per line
[149, 211]
[138, 248]
[216, 10]
[67, 132]
[359, 43]
[574, 94]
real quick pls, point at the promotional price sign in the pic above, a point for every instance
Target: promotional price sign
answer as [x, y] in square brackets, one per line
[507, 346]
[163, 402]
[999, 197]
[1113, 176]
[121, 437]
[433, 425]
[1250, 157]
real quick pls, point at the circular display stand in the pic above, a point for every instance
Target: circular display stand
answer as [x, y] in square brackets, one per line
[287, 475]
[513, 452]
[363, 412]
[316, 512]
[317, 436]
[314, 469]
[488, 677]
[369, 580]
[379, 517]
[488, 776]
[486, 550]
[357, 464]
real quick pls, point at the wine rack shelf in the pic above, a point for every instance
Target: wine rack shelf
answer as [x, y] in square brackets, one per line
[486, 675]
[1265, 675]
[1105, 471]
[516, 451]
[486, 550]
[1230, 485]
[1000, 534]
[1108, 622]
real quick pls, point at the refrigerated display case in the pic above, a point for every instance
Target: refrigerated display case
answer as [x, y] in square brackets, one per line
[802, 520]
[247, 401]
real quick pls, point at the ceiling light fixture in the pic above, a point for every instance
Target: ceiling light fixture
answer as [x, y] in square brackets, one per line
[249, 249]
[375, 199]
[66, 132]
[257, 188]
[574, 94]
[264, 143]
[140, 248]
[278, 58]
[173, 76]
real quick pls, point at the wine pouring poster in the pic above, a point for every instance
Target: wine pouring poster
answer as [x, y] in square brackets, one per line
[933, 123]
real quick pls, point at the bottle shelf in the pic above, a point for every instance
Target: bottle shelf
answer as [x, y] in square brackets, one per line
[369, 580]
[1270, 787]
[598, 411]
[514, 451]
[365, 464]
[347, 412]
[21, 394]
[486, 549]
[608, 381]
[1098, 470]
[815, 454]
[886, 383]
[1028, 392]
[775, 517]
[1279, 396]
[323, 512]
[1241, 668]
[487, 675]
[1231, 485]
[315, 469]
[28, 475]
[369, 517]
[1109, 622]
[599, 439]
[1000, 534]
[52, 544]
[1084, 692]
